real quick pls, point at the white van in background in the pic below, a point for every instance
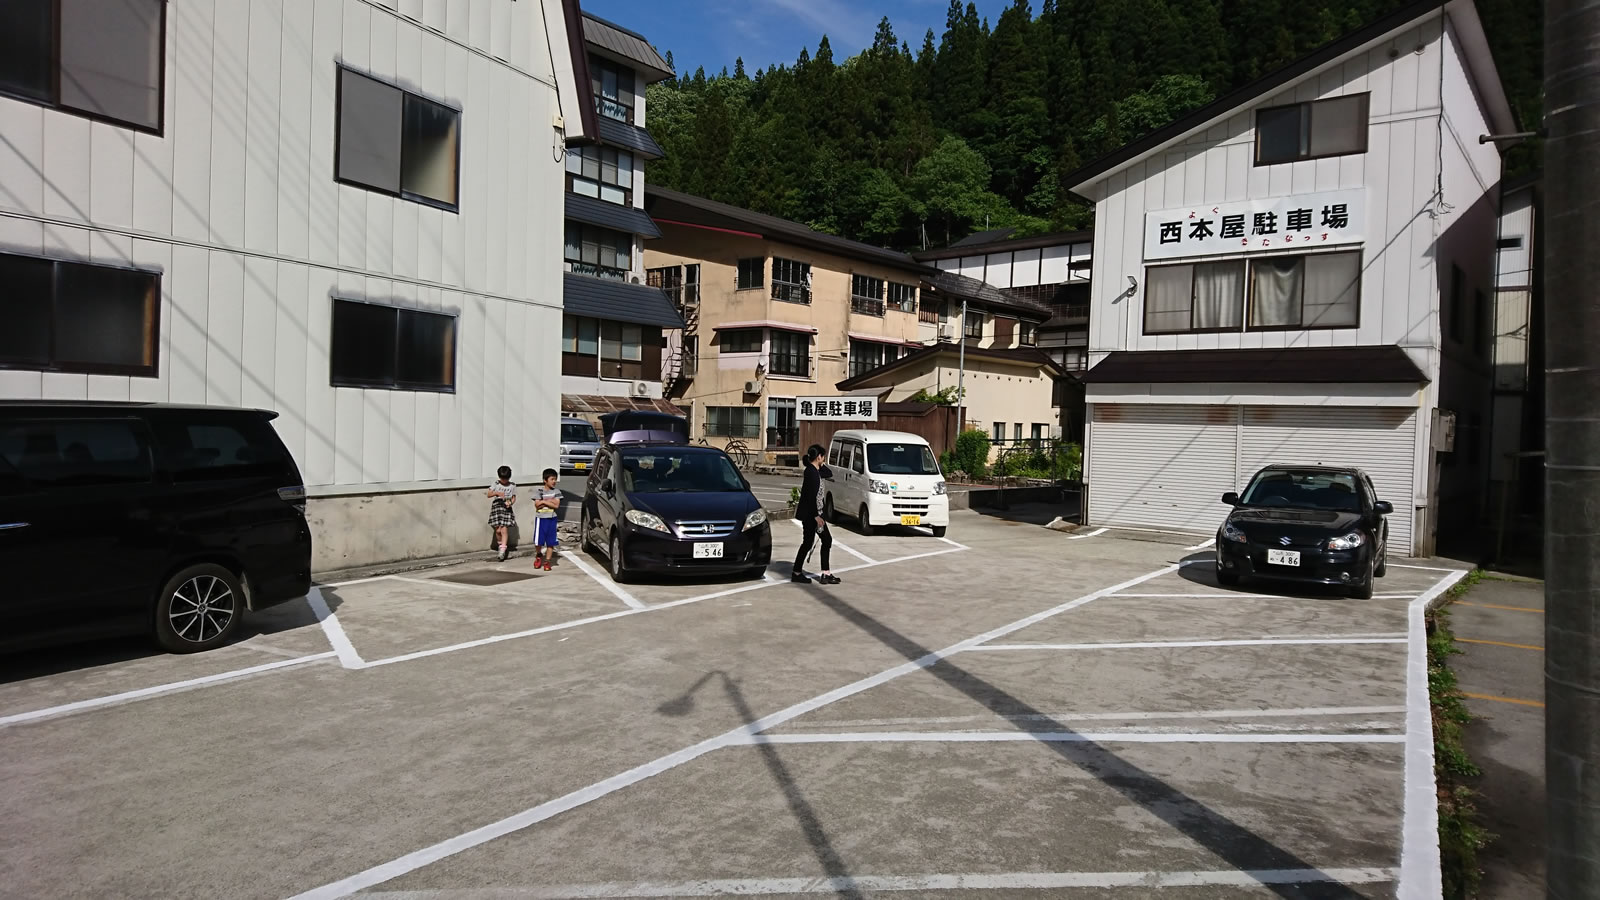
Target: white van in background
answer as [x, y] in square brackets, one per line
[885, 478]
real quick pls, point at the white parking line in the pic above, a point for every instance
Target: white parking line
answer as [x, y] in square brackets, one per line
[1395, 565]
[1419, 845]
[1139, 716]
[1095, 533]
[604, 580]
[157, 690]
[840, 544]
[348, 657]
[922, 884]
[1066, 737]
[1156, 645]
[1204, 544]
[418, 859]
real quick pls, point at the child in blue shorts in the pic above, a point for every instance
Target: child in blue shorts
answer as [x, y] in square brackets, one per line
[546, 500]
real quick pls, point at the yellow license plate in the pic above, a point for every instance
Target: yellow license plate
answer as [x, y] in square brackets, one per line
[580, 465]
[910, 520]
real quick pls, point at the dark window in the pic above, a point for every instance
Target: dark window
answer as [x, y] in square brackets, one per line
[88, 56]
[866, 295]
[620, 340]
[599, 252]
[781, 428]
[1284, 292]
[999, 432]
[613, 89]
[1026, 334]
[576, 433]
[1332, 127]
[741, 340]
[77, 452]
[1457, 311]
[580, 335]
[210, 451]
[602, 172]
[868, 355]
[733, 421]
[750, 272]
[974, 325]
[396, 142]
[902, 297]
[77, 317]
[388, 347]
[1509, 243]
[791, 354]
[791, 281]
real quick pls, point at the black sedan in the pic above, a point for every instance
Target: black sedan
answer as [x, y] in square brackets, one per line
[666, 507]
[1309, 524]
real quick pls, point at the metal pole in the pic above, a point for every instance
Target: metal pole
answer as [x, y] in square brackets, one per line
[1572, 443]
[961, 373]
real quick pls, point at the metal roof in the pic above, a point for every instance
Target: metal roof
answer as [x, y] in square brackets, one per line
[611, 215]
[674, 206]
[983, 292]
[1024, 356]
[627, 44]
[618, 301]
[1290, 365]
[629, 137]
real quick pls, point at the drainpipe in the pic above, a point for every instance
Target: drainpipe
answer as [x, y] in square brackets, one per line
[961, 373]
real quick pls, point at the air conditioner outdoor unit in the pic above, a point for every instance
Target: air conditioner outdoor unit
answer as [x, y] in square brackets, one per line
[641, 389]
[752, 387]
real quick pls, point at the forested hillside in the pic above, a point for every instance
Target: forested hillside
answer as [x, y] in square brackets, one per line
[979, 125]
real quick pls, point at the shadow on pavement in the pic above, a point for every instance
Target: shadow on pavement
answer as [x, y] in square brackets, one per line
[832, 863]
[1231, 842]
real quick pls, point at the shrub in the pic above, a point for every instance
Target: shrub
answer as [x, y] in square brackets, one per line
[971, 454]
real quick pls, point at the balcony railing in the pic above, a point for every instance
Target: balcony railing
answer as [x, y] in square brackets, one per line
[612, 109]
[866, 306]
[791, 293]
[928, 316]
[594, 271]
[783, 438]
[1070, 311]
[682, 294]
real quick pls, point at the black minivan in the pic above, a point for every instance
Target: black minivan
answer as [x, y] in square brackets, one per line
[123, 518]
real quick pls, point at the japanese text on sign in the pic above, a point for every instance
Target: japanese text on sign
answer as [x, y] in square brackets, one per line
[1281, 223]
[854, 409]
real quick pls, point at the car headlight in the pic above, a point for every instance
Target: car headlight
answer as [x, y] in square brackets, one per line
[1231, 533]
[939, 488]
[563, 449]
[755, 519]
[646, 520]
[1349, 542]
[880, 487]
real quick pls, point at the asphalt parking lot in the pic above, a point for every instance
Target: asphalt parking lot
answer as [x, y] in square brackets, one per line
[1011, 711]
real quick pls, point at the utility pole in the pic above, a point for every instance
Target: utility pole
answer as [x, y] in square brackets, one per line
[1572, 444]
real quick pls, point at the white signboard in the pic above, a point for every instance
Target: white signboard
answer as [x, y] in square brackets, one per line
[836, 409]
[1280, 223]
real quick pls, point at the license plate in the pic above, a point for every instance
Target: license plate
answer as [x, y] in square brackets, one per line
[910, 520]
[708, 550]
[580, 465]
[1283, 557]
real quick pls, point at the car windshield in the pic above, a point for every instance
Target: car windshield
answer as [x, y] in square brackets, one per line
[578, 433]
[665, 470]
[1291, 489]
[901, 459]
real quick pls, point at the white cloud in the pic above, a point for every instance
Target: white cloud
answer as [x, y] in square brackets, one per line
[842, 20]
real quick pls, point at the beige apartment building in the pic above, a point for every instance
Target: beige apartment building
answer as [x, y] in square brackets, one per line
[775, 311]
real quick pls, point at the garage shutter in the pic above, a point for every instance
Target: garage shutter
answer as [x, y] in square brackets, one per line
[1381, 441]
[1159, 466]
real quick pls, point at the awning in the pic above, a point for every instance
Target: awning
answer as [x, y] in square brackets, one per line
[1284, 365]
[618, 301]
[765, 323]
[883, 339]
[629, 137]
[592, 211]
[598, 405]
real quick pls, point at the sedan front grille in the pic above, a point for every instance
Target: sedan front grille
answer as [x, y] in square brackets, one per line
[704, 528]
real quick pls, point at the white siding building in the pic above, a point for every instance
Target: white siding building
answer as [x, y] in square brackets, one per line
[1298, 273]
[347, 211]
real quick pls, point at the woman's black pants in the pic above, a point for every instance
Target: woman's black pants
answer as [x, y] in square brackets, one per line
[810, 525]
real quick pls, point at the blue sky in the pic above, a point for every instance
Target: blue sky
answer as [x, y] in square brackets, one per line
[712, 33]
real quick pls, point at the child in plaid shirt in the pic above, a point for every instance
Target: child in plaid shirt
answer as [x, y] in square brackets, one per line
[502, 494]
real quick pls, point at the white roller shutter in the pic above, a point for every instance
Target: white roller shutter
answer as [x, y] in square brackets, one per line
[1161, 466]
[1380, 440]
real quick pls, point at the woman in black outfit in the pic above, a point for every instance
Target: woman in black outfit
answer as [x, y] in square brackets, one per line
[809, 511]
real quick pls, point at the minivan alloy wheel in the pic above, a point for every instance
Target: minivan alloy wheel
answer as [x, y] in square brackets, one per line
[202, 608]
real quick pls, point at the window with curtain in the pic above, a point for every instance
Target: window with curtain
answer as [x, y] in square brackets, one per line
[974, 327]
[613, 89]
[604, 173]
[1284, 292]
[867, 355]
[97, 59]
[580, 335]
[621, 340]
[600, 252]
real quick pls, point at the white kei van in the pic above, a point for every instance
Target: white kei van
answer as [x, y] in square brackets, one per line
[885, 478]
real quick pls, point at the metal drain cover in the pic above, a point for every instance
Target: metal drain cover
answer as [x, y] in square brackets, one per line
[485, 577]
